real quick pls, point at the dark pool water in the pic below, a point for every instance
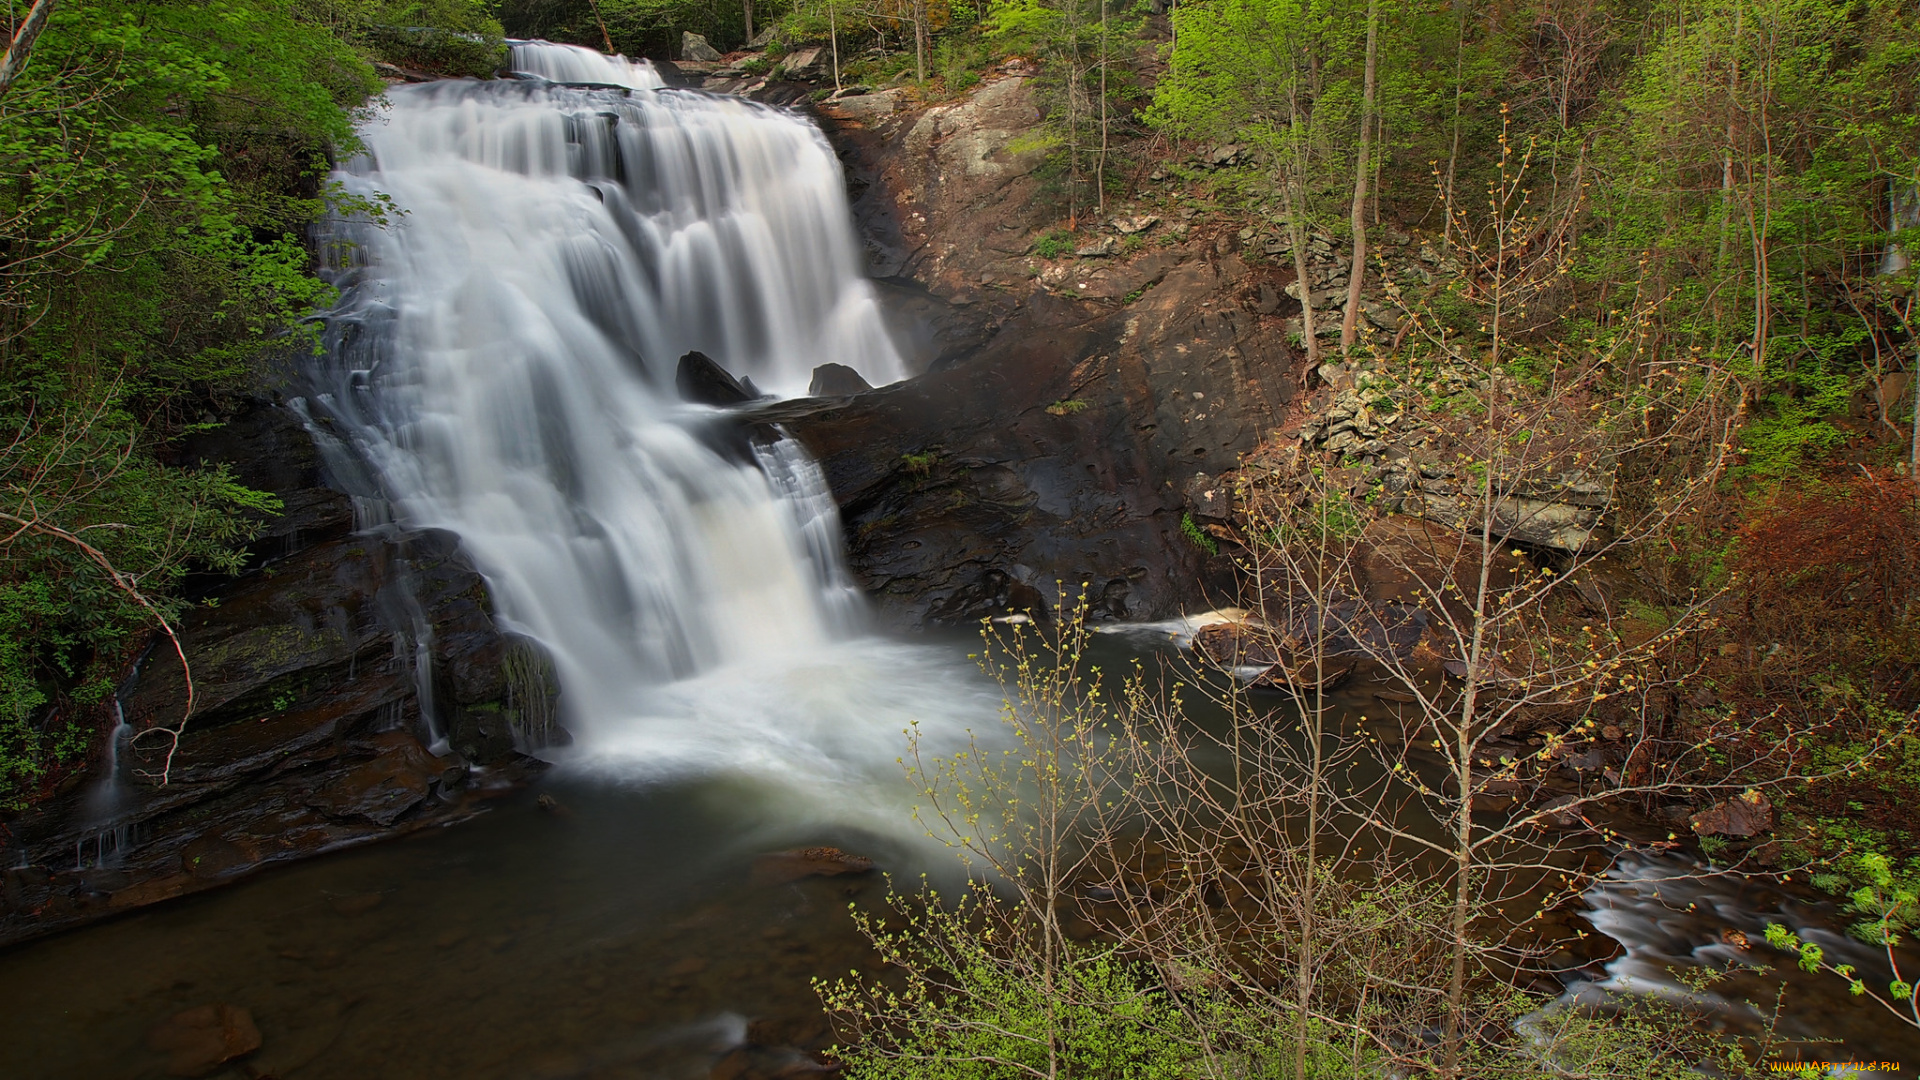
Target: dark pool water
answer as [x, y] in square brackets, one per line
[622, 931]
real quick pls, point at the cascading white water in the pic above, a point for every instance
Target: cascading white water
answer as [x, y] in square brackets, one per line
[503, 356]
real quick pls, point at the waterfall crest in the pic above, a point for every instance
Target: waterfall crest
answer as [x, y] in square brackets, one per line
[502, 357]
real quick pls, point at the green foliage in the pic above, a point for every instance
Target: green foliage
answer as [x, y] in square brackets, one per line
[920, 464]
[450, 37]
[158, 164]
[1197, 536]
[973, 1007]
[1066, 407]
[1054, 245]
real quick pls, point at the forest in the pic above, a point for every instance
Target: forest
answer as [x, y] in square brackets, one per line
[1672, 241]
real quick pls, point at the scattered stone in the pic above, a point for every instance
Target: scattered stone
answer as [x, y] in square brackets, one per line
[1741, 816]
[200, 1040]
[1129, 226]
[694, 47]
[1224, 155]
[804, 62]
[1562, 813]
[1106, 245]
[1382, 316]
[1269, 301]
[1589, 761]
[836, 380]
[785, 866]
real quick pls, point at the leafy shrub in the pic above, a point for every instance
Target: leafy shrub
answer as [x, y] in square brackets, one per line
[1054, 245]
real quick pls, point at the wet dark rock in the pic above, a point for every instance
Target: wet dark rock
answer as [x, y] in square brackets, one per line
[1056, 456]
[198, 1041]
[399, 778]
[837, 380]
[266, 448]
[308, 732]
[703, 381]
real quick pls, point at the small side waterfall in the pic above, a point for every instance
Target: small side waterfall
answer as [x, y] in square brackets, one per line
[502, 357]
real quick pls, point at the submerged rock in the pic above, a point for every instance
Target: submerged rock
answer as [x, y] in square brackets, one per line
[198, 1041]
[784, 866]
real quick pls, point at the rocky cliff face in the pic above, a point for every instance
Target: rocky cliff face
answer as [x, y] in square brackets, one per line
[1074, 410]
[320, 677]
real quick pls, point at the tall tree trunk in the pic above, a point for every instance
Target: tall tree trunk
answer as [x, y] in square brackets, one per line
[746, 7]
[920, 40]
[1100, 169]
[21, 47]
[1350, 322]
[1297, 233]
[606, 39]
[833, 39]
[1453, 154]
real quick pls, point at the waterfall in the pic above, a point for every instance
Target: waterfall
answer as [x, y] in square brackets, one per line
[502, 358]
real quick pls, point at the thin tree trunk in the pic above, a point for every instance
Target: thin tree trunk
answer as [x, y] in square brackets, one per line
[1356, 278]
[1297, 233]
[920, 40]
[606, 39]
[1453, 154]
[21, 47]
[1100, 169]
[833, 39]
[747, 10]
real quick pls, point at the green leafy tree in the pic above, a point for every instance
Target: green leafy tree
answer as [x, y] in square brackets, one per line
[158, 164]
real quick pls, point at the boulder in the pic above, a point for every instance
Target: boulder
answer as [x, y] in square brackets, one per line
[805, 63]
[1744, 815]
[704, 382]
[198, 1041]
[1053, 457]
[836, 380]
[694, 47]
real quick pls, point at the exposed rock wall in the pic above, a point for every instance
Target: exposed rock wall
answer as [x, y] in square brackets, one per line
[1074, 411]
[311, 718]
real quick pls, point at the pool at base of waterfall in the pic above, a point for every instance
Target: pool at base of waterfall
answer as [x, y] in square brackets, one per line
[604, 926]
